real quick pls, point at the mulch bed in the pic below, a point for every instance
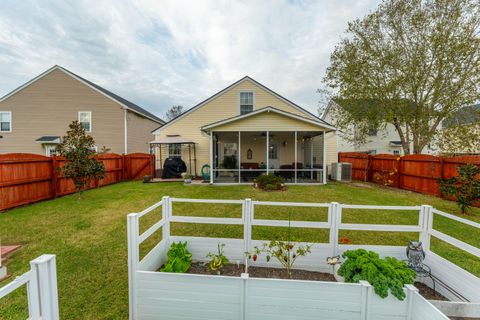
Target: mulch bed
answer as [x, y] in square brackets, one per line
[261, 272]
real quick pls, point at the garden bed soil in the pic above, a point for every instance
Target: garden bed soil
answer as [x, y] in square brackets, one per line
[428, 292]
[261, 272]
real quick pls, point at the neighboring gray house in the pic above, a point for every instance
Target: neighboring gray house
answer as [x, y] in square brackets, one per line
[35, 116]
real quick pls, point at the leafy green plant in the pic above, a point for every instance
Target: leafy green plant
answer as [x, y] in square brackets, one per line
[270, 182]
[465, 187]
[383, 274]
[179, 258]
[285, 252]
[78, 149]
[218, 260]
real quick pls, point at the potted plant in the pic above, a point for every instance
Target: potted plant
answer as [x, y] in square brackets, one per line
[187, 179]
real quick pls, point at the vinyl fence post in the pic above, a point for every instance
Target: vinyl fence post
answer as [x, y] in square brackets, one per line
[247, 224]
[33, 297]
[334, 219]
[366, 298]
[426, 223]
[133, 260]
[244, 296]
[411, 292]
[166, 215]
[46, 276]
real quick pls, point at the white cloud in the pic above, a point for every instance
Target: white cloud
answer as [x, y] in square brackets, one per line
[159, 53]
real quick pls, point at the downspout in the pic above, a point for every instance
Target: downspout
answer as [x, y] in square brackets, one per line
[125, 146]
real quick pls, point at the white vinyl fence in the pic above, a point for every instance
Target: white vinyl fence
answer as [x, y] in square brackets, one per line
[157, 295]
[41, 283]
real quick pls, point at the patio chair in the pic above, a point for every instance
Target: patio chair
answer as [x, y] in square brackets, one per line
[286, 175]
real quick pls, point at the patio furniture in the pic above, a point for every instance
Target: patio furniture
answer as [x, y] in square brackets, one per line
[249, 171]
[287, 175]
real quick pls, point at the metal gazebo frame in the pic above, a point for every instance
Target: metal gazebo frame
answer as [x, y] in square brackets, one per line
[175, 140]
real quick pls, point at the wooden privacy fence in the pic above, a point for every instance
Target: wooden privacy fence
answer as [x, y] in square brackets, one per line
[27, 178]
[416, 172]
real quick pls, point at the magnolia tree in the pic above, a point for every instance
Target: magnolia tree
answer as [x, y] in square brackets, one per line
[78, 149]
[411, 64]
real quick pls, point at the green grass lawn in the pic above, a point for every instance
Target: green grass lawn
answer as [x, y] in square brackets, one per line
[88, 235]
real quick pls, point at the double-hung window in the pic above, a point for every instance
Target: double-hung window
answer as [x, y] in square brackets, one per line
[175, 150]
[246, 102]
[85, 119]
[5, 121]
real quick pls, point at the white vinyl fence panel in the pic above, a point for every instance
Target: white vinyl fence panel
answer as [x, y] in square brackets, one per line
[157, 295]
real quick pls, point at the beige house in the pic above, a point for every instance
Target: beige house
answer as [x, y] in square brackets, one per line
[35, 116]
[245, 130]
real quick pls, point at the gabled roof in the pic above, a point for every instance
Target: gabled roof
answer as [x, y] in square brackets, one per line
[464, 116]
[318, 122]
[123, 102]
[246, 78]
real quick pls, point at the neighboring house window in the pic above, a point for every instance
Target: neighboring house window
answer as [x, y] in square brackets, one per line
[372, 132]
[85, 119]
[273, 152]
[246, 102]
[175, 150]
[5, 121]
[396, 152]
[50, 151]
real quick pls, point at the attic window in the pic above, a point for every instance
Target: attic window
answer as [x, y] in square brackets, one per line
[246, 102]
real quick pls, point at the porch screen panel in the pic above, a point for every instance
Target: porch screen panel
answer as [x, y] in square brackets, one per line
[225, 154]
[281, 153]
[253, 155]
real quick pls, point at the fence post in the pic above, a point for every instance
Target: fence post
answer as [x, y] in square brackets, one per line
[426, 223]
[46, 276]
[247, 208]
[366, 298]
[133, 259]
[334, 219]
[244, 296]
[411, 291]
[54, 176]
[166, 215]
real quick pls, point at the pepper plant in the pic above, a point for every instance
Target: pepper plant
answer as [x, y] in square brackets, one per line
[218, 260]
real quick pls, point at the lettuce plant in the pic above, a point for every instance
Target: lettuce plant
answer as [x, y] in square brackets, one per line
[179, 258]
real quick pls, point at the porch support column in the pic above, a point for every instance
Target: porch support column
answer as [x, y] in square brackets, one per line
[268, 146]
[239, 156]
[324, 166]
[211, 157]
[296, 151]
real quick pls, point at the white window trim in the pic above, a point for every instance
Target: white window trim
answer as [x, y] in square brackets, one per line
[47, 148]
[91, 119]
[11, 122]
[254, 98]
[168, 150]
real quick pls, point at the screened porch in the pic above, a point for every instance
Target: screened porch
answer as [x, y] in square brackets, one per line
[241, 156]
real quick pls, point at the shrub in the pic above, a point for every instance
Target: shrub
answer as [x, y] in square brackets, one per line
[78, 149]
[179, 258]
[218, 260]
[383, 274]
[270, 182]
[465, 187]
[285, 252]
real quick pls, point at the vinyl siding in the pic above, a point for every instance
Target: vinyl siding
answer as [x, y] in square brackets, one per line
[268, 121]
[139, 131]
[49, 105]
[223, 107]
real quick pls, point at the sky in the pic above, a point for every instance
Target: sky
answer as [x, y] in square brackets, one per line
[163, 53]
